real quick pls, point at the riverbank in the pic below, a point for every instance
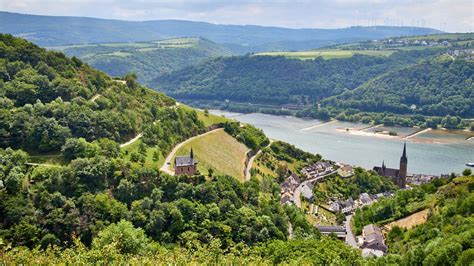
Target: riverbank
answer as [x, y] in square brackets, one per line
[434, 152]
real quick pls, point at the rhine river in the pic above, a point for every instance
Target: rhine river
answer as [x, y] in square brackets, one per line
[433, 152]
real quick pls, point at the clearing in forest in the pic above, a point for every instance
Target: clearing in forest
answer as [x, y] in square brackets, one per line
[410, 221]
[219, 151]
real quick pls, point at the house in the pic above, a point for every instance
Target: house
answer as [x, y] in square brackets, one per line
[287, 199]
[345, 171]
[286, 187]
[294, 179]
[365, 199]
[347, 205]
[290, 184]
[373, 241]
[307, 191]
[316, 169]
[339, 231]
[185, 165]
[335, 207]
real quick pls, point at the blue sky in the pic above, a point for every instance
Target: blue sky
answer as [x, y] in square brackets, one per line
[452, 16]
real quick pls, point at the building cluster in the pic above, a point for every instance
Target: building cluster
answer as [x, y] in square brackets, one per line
[311, 173]
[287, 189]
[420, 179]
[468, 54]
[350, 205]
[317, 169]
[412, 42]
[372, 241]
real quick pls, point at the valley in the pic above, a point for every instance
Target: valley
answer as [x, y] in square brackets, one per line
[179, 142]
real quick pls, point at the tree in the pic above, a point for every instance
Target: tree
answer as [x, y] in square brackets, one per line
[210, 171]
[466, 172]
[124, 237]
[78, 148]
[131, 80]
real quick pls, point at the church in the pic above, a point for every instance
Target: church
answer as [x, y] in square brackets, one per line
[398, 176]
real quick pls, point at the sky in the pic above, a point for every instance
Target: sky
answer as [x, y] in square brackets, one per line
[447, 15]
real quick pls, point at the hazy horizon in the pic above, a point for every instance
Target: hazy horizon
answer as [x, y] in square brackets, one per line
[439, 14]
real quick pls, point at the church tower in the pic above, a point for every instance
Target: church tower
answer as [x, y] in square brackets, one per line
[402, 174]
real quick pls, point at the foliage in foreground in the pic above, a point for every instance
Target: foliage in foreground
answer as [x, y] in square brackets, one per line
[446, 238]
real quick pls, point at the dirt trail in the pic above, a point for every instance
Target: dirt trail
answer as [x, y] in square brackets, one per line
[137, 137]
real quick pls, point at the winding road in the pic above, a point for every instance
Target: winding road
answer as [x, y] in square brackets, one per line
[350, 238]
[297, 192]
[249, 165]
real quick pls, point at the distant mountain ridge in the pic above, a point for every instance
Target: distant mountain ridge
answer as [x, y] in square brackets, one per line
[58, 30]
[147, 59]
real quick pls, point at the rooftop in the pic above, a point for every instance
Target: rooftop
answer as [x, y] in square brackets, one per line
[184, 161]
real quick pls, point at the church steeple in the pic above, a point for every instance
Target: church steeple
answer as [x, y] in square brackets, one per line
[402, 174]
[404, 154]
[191, 154]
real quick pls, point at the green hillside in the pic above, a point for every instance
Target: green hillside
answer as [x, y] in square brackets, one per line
[104, 202]
[438, 87]
[146, 59]
[279, 80]
[445, 238]
[48, 98]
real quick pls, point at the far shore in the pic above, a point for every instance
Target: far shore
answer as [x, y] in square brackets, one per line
[361, 131]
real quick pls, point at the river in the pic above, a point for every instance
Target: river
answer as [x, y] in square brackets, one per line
[434, 152]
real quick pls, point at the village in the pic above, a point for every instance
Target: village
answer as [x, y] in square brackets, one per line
[299, 191]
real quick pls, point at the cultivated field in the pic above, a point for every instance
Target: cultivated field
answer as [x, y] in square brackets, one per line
[328, 53]
[410, 221]
[139, 46]
[217, 150]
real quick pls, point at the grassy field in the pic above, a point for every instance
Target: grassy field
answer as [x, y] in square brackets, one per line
[53, 159]
[209, 119]
[217, 150]
[328, 53]
[149, 162]
[141, 46]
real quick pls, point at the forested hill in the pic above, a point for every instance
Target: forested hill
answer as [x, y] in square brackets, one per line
[102, 205]
[47, 98]
[55, 30]
[438, 87]
[278, 80]
[146, 59]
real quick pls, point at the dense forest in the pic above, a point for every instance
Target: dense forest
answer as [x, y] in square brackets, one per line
[146, 59]
[434, 87]
[278, 80]
[47, 98]
[97, 206]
